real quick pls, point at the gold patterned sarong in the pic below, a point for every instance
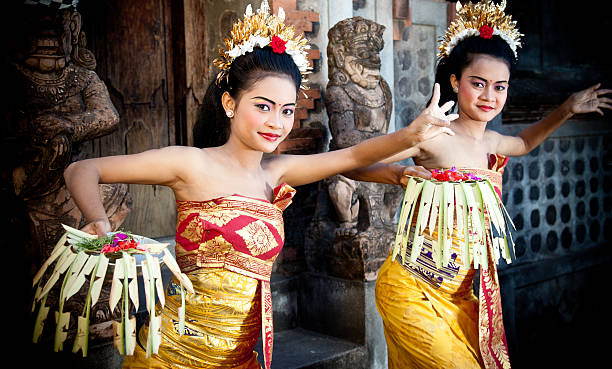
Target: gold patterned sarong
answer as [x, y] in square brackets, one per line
[227, 247]
[431, 317]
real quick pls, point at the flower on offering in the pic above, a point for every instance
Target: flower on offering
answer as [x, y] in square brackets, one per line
[79, 257]
[453, 175]
[121, 241]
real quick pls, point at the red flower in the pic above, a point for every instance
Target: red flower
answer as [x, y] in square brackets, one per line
[486, 32]
[278, 45]
[451, 175]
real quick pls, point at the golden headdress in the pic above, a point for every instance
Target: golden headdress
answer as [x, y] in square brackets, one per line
[262, 29]
[484, 19]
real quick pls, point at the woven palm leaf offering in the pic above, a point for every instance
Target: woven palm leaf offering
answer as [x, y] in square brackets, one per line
[453, 204]
[79, 257]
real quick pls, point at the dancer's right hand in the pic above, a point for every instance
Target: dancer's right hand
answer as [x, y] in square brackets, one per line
[99, 227]
[433, 120]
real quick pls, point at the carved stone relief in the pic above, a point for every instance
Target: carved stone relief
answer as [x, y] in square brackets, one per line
[57, 102]
[359, 105]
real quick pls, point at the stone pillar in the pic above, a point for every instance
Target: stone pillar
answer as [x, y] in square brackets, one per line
[353, 227]
[415, 57]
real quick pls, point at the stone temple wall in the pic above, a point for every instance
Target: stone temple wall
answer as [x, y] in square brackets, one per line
[560, 199]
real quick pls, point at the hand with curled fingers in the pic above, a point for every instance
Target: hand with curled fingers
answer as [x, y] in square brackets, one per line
[414, 171]
[433, 120]
[98, 227]
[589, 100]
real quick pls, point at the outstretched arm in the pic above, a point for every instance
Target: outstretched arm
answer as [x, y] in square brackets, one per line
[302, 169]
[388, 173]
[585, 101]
[149, 167]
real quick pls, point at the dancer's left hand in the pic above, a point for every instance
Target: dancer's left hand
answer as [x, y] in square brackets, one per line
[433, 120]
[589, 100]
[414, 171]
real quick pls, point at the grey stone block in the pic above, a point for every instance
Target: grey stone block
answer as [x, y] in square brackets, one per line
[300, 348]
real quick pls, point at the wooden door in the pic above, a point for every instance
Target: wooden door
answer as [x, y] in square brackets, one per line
[143, 64]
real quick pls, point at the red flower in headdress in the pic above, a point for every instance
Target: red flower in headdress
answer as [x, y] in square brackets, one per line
[278, 45]
[486, 32]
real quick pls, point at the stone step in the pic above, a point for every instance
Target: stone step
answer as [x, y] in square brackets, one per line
[303, 349]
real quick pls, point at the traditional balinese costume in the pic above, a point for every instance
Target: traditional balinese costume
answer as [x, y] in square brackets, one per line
[226, 246]
[430, 315]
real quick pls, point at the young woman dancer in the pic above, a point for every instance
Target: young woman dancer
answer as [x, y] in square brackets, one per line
[431, 317]
[230, 198]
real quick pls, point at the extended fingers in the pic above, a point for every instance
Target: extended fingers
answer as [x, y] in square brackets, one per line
[435, 98]
[604, 100]
[447, 106]
[443, 124]
[448, 131]
[604, 106]
[452, 117]
[594, 87]
[603, 91]
[440, 122]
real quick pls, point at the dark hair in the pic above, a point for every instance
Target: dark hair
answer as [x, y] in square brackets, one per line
[212, 126]
[463, 54]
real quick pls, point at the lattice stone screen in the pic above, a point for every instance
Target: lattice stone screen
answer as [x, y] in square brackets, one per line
[559, 197]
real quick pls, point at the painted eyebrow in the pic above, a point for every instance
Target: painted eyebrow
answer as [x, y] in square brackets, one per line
[484, 80]
[270, 101]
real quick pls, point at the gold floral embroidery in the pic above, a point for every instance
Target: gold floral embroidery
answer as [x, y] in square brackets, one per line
[181, 216]
[193, 231]
[218, 218]
[258, 238]
[217, 245]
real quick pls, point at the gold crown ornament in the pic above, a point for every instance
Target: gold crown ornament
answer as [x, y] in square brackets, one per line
[263, 29]
[485, 19]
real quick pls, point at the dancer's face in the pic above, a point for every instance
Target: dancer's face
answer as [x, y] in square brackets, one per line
[482, 88]
[264, 113]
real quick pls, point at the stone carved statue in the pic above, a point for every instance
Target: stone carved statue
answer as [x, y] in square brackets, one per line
[354, 228]
[359, 105]
[57, 102]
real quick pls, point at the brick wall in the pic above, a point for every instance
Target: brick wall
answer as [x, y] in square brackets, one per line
[302, 139]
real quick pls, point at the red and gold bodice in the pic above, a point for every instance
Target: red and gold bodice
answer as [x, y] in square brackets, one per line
[238, 233]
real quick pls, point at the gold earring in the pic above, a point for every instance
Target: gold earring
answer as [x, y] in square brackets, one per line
[456, 89]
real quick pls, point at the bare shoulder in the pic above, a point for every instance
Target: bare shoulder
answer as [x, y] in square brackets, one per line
[184, 152]
[492, 138]
[180, 158]
[491, 134]
[275, 166]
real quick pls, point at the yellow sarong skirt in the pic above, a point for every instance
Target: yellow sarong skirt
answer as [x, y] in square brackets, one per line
[223, 322]
[431, 317]
[427, 327]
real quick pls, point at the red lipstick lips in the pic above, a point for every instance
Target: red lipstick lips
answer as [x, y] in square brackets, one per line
[269, 136]
[485, 108]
